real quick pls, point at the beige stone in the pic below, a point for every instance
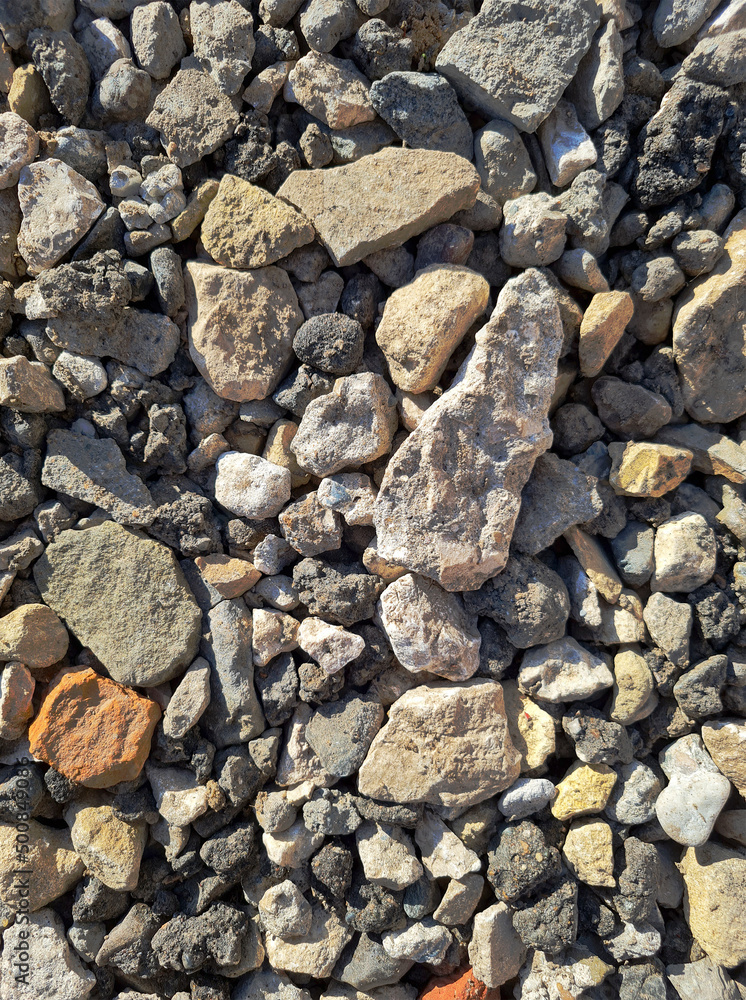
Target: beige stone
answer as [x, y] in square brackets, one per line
[230, 576]
[316, 952]
[425, 321]
[645, 469]
[28, 95]
[725, 740]
[531, 728]
[332, 90]
[604, 322]
[381, 200]
[53, 865]
[709, 335]
[277, 450]
[445, 744]
[584, 790]
[19, 145]
[111, 849]
[241, 327]
[16, 694]
[495, 950]
[197, 204]
[266, 85]
[595, 562]
[245, 226]
[713, 453]
[12, 264]
[589, 853]
[633, 696]
[715, 901]
[34, 635]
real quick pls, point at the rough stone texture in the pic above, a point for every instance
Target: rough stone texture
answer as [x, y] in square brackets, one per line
[59, 206]
[53, 968]
[567, 147]
[222, 32]
[330, 645]
[724, 739]
[19, 144]
[424, 322]
[709, 335]
[451, 494]
[94, 731]
[424, 112]
[26, 386]
[531, 728]
[603, 324]
[142, 622]
[94, 470]
[584, 790]
[513, 60]
[381, 200]
[54, 865]
[503, 162]
[445, 744]
[332, 90]
[251, 486]
[247, 227]
[715, 901]
[193, 116]
[563, 670]
[34, 635]
[110, 847]
[157, 39]
[685, 554]
[316, 952]
[645, 469]
[63, 64]
[676, 21]
[495, 950]
[429, 629]
[241, 327]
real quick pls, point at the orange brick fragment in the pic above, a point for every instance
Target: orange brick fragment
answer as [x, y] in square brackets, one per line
[93, 730]
[460, 985]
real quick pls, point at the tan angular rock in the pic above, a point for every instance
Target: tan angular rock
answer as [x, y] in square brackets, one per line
[589, 853]
[16, 694]
[633, 696]
[196, 208]
[713, 453]
[450, 496]
[584, 790]
[382, 200]
[245, 226]
[715, 901]
[531, 729]
[315, 953]
[429, 629]
[330, 645]
[709, 335]
[277, 450]
[52, 863]
[332, 90]
[19, 145]
[444, 744]
[111, 849]
[425, 321]
[603, 324]
[241, 327]
[595, 562]
[495, 950]
[725, 740]
[645, 469]
[59, 206]
[231, 577]
[34, 635]
[92, 730]
[273, 632]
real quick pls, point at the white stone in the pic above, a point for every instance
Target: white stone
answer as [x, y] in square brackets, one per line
[429, 628]
[316, 953]
[103, 43]
[526, 797]
[563, 670]
[251, 486]
[330, 645]
[422, 941]
[54, 971]
[685, 554]
[566, 145]
[292, 847]
[690, 804]
[496, 952]
[82, 376]
[178, 797]
[387, 855]
[273, 633]
[443, 854]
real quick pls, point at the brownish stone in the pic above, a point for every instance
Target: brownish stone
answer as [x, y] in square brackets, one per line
[231, 577]
[34, 635]
[93, 730]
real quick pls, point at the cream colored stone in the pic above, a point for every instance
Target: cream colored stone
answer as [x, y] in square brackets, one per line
[532, 730]
[589, 853]
[583, 791]
[715, 901]
[633, 696]
[49, 856]
[604, 322]
[111, 849]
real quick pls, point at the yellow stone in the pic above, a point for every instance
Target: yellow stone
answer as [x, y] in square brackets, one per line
[584, 790]
[589, 853]
[277, 450]
[531, 728]
[230, 576]
[595, 562]
[715, 901]
[634, 696]
[604, 322]
[28, 95]
[199, 201]
[110, 847]
[52, 863]
[645, 469]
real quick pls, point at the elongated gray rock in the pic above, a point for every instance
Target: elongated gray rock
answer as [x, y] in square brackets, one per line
[514, 59]
[382, 200]
[451, 493]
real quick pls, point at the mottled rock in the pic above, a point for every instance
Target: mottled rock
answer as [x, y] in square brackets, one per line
[463, 751]
[563, 670]
[714, 901]
[142, 622]
[463, 429]
[27, 386]
[387, 855]
[223, 38]
[685, 554]
[63, 64]
[381, 200]
[332, 90]
[645, 469]
[567, 147]
[19, 144]
[316, 952]
[157, 39]
[533, 233]
[37, 961]
[423, 110]
[33, 635]
[584, 790]
[670, 624]
[92, 730]
[110, 848]
[251, 486]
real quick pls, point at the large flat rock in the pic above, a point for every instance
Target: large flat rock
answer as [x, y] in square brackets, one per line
[382, 200]
[452, 492]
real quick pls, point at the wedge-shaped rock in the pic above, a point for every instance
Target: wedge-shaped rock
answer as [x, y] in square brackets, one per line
[514, 59]
[54, 864]
[451, 493]
[381, 201]
[93, 469]
[444, 744]
[125, 597]
[241, 327]
[709, 335]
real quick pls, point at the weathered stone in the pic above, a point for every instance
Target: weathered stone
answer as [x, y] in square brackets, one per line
[189, 700]
[330, 645]
[381, 200]
[478, 441]
[63, 64]
[725, 738]
[634, 688]
[33, 635]
[423, 941]
[247, 227]
[193, 116]
[675, 22]
[316, 952]
[533, 233]
[241, 327]
[142, 622]
[514, 61]
[16, 694]
[222, 32]
[92, 730]
[644, 469]
[584, 790]
[157, 39]
[598, 86]
[59, 207]
[26, 386]
[595, 563]
[588, 852]
[563, 670]
[179, 798]
[685, 554]
[387, 855]
[603, 324]
[446, 744]
[715, 901]
[424, 322]
[495, 950]
[19, 145]
[251, 486]
[38, 963]
[709, 335]
[424, 112]
[332, 90]
[110, 847]
[284, 911]
[51, 859]
[531, 728]
[341, 732]
[567, 147]
[444, 855]
[429, 629]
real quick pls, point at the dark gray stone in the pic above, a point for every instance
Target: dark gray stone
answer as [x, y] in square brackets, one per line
[423, 110]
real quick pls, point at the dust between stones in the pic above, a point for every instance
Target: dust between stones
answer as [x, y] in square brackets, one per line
[372, 500]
